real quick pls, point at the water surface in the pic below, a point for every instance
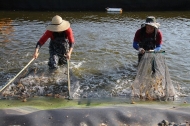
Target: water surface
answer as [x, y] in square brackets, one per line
[103, 59]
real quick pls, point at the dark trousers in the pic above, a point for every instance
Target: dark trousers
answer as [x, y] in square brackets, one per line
[55, 61]
[57, 58]
[139, 57]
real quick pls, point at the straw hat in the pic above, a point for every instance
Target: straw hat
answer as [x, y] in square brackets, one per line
[58, 24]
[151, 20]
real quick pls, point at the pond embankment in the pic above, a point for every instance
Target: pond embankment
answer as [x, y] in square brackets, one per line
[95, 5]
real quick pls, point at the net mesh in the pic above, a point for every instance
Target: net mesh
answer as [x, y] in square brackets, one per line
[153, 81]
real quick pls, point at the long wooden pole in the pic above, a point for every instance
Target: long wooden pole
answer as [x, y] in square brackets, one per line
[16, 76]
[68, 79]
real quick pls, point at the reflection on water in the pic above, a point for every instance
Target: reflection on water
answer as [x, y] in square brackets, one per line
[103, 60]
[6, 29]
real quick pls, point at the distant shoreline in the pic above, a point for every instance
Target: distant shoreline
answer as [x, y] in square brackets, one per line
[95, 5]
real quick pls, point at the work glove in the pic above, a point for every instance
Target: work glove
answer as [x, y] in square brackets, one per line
[141, 50]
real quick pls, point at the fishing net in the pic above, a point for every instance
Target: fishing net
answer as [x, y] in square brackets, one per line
[38, 81]
[153, 81]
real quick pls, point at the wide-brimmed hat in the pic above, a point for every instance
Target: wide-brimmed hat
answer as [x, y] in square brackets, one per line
[151, 20]
[58, 24]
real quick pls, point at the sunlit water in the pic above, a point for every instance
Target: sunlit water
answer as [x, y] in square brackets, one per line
[103, 61]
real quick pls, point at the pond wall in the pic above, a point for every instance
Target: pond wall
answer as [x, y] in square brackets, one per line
[95, 5]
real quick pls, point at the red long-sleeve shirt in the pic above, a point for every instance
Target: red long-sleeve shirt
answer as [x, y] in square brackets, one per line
[49, 34]
[138, 35]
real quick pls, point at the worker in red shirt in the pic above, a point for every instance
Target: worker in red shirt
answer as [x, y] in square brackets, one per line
[148, 37]
[61, 42]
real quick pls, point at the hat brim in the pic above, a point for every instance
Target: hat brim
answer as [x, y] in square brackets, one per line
[156, 25]
[58, 28]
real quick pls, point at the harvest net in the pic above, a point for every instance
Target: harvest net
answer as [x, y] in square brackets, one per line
[153, 81]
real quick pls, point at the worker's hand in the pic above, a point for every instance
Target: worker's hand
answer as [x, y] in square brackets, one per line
[141, 50]
[35, 56]
[68, 56]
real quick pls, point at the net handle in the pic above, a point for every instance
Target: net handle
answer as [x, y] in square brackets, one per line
[155, 51]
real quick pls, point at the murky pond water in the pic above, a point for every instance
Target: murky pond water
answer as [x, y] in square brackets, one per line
[103, 61]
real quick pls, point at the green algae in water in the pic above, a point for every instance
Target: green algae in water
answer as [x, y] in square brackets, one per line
[45, 103]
